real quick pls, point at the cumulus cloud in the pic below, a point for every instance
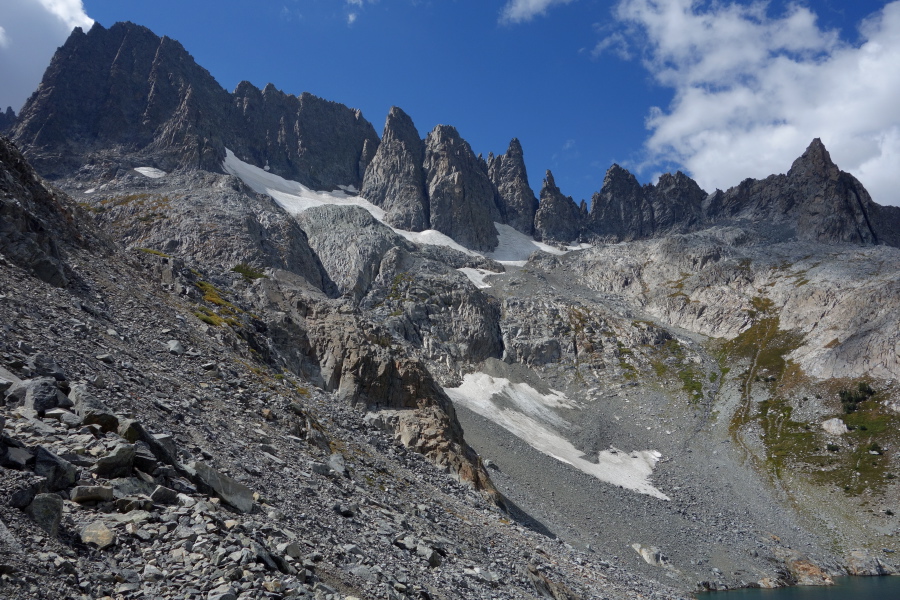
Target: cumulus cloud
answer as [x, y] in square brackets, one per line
[519, 11]
[751, 90]
[32, 30]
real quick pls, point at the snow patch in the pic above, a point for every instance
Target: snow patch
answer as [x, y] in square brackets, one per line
[90, 191]
[150, 172]
[292, 196]
[477, 276]
[529, 415]
[513, 249]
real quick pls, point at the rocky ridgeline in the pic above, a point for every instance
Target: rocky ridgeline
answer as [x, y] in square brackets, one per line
[121, 96]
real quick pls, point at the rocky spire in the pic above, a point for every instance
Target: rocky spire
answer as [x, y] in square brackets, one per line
[676, 202]
[461, 197]
[127, 88]
[620, 209]
[395, 180]
[517, 200]
[7, 119]
[558, 218]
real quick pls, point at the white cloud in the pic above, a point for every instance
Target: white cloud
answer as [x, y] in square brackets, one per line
[752, 90]
[33, 29]
[70, 12]
[351, 18]
[519, 11]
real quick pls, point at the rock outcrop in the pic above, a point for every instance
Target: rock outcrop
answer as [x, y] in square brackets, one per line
[461, 196]
[516, 197]
[558, 218]
[395, 180]
[32, 219]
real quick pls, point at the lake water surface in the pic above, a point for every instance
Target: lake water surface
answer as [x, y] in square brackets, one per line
[846, 588]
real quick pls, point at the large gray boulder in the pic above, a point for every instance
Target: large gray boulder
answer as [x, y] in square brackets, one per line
[462, 197]
[395, 180]
[231, 492]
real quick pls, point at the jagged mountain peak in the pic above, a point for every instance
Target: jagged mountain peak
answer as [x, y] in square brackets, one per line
[815, 161]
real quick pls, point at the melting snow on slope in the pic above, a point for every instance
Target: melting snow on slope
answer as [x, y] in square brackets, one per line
[527, 414]
[150, 172]
[514, 247]
[292, 196]
[477, 276]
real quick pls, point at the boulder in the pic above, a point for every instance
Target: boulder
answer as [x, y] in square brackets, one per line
[60, 474]
[210, 481]
[46, 510]
[118, 463]
[91, 410]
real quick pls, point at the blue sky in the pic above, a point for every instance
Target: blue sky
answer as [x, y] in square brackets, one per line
[721, 90]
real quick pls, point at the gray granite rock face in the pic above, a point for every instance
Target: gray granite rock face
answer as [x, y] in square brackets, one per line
[620, 209]
[395, 180]
[351, 244]
[517, 200]
[815, 198]
[558, 218]
[32, 220]
[304, 138]
[127, 89]
[677, 203]
[463, 200]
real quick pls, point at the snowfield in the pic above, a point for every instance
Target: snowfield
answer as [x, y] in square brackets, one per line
[513, 248]
[529, 415]
[150, 172]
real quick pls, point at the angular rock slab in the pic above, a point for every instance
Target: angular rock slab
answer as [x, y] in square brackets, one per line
[46, 510]
[230, 491]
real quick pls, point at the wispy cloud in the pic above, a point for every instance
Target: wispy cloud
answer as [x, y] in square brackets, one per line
[70, 12]
[519, 11]
[751, 90]
[31, 32]
[351, 18]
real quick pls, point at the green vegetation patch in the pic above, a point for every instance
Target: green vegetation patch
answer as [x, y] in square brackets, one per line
[153, 252]
[248, 272]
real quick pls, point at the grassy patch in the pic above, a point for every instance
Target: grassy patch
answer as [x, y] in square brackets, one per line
[208, 316]
[248, 272]
[153, 252]
[692, 384]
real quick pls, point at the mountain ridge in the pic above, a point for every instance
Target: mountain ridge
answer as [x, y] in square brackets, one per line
[188, 120]
[718, 373]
